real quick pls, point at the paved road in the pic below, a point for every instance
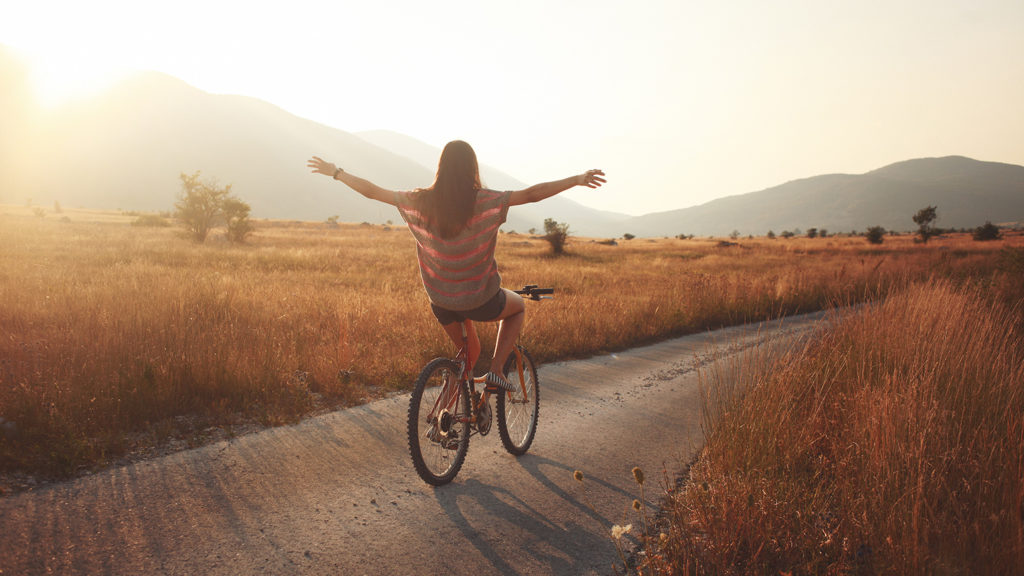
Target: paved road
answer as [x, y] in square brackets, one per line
[337, 494]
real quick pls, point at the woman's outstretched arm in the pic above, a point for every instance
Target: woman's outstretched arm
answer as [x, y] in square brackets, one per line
[538, 192]
[361, 185]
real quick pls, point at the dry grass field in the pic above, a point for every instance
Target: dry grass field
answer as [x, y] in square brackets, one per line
[894, 444]
[114, 338]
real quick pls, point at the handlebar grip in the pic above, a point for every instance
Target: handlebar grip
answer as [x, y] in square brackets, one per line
[532, 292]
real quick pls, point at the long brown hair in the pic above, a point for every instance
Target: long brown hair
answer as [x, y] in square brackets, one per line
[449, 203]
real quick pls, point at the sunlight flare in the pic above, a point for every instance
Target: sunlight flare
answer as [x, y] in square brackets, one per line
[63, 77]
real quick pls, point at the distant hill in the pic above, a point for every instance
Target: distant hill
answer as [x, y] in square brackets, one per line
[967, 193]
[126, 148]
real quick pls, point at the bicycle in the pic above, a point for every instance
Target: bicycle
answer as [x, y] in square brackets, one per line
[446, 409]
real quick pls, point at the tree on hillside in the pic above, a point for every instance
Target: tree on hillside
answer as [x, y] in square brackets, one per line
[556, 234]
[812, 232]
[875, 235]
[924, 219]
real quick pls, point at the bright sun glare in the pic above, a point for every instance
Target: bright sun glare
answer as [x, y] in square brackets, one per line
[64, 78]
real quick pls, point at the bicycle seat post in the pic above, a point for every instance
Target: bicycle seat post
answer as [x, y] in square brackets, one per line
[468, 354]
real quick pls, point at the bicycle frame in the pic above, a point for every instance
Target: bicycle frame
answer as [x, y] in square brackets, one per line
[449, 395]
[441, 420]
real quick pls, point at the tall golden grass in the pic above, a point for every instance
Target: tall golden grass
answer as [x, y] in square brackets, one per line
[893, 444]
[113, 336]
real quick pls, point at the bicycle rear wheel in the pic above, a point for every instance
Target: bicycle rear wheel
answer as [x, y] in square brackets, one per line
[439, 422]
[517, 414]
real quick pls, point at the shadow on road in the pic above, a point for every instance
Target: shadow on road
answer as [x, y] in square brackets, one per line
[502, 526]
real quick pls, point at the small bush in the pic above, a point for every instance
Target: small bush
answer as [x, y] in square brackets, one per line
[236, 213]
[151, 220]
[988, 231]
[556, 233]
[875, 235]
[924, 219]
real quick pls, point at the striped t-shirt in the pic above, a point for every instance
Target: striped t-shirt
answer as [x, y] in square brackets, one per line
[459, 273]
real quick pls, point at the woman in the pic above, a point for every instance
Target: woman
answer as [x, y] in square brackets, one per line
[455, 223]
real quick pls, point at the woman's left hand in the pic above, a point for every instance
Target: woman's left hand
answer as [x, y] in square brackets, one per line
[591, 179]
[321, 166]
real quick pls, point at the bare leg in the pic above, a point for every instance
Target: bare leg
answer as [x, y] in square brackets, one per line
[454, 331]
[512, 318]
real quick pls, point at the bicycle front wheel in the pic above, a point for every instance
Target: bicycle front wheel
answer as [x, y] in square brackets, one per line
[439, 422]
[518, 410]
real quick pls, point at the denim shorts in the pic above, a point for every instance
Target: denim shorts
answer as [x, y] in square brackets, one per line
[487, 312]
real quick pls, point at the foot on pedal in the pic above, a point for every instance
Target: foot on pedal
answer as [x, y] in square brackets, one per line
[496, 382]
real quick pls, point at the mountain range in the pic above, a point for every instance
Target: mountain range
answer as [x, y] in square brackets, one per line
[125, 149]
[966, 192]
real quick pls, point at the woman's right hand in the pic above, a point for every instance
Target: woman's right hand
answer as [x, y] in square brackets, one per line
[591, 179]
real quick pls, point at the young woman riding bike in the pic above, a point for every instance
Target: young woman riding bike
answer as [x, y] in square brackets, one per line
[455, 223]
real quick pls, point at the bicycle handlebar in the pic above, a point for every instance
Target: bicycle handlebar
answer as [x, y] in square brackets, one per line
[532, 292]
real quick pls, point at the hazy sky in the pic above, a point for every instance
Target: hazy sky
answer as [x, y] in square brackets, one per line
[679, 102]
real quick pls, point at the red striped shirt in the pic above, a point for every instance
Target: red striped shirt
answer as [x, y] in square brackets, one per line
[459, 273]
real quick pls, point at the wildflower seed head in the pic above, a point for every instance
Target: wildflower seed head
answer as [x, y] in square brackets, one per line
[636, 505]
[619, 531]
[578, 476]
[638, 475]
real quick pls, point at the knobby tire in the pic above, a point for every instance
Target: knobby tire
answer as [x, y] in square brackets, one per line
[517, 420]
[436, 464]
